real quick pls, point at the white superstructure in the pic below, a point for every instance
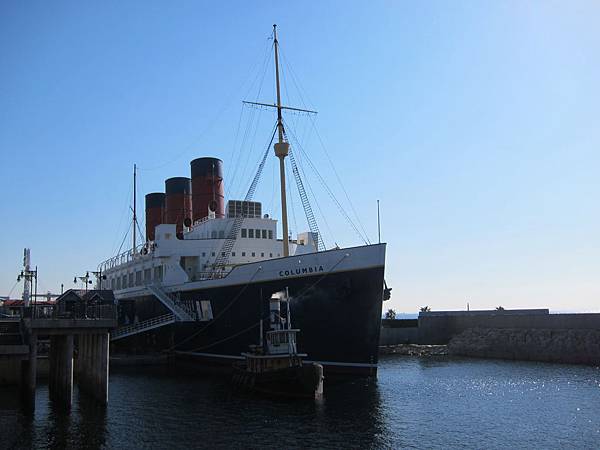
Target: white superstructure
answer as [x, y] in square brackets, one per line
[169, 260]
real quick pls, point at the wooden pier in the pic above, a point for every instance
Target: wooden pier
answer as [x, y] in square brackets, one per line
[88, 331]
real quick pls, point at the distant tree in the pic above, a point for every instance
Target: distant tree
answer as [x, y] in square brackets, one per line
[390, 314]
[425, 309]
[499, 308]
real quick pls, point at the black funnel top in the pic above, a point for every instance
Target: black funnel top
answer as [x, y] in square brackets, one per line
[155, 200]
[202, 167]
[178, 185]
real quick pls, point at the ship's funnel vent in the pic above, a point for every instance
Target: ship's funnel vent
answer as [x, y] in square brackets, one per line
[178, 202]
[207, 187]
[155, 212]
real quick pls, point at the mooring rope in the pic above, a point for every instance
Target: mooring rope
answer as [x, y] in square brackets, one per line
[303, 292]
[220, 313]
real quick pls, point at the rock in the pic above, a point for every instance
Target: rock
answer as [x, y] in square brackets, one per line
[413, 350]
[563, 346]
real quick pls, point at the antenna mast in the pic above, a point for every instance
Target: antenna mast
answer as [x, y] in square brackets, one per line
[281, 151]
[378, 224]
[134, 209]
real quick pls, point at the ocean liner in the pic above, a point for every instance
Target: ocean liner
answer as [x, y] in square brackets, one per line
[200, 284]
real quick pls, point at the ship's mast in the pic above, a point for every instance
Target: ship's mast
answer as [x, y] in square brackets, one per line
[134, 210]
[282, 147]
[281, 151]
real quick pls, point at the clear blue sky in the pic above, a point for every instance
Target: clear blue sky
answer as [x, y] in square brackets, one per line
[477, 125]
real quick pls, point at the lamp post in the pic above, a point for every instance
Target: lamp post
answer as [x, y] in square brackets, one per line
[85, 279]
[99, 277]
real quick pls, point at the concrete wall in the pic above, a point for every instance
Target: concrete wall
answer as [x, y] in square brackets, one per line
[439, 327]
[399, 323]
[573, 346]
[393, 336]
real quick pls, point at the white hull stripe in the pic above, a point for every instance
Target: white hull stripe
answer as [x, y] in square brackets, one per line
[268, 270]
[325, 363]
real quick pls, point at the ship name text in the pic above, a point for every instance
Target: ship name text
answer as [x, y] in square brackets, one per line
[301, 271]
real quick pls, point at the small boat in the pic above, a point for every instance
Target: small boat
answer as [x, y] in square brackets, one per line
[274, 367]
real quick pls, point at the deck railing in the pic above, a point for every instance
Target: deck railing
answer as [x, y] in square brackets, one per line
[78, 311]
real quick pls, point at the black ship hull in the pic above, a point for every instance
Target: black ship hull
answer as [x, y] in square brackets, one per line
[339, 314]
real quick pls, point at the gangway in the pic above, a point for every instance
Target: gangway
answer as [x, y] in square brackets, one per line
[141, 327]
[177, 307]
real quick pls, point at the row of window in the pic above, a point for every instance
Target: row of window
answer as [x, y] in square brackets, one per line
[135, 279]
[246, 233]
[262, 254]
[256, 233]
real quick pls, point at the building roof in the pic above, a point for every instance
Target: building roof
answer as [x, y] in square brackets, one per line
[16, 303]
[103, 295]
[13, 302]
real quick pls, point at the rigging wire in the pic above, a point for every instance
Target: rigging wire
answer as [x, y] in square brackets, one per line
[261, 165]
[290, 196]
[340, 182]
[234, 147]
[225, 105]
[225, 252]
[252, 144]
[314, 197]
[276, 205]
[235, 180]
[308, 211]
[269, 205]
[123, 241]
[228, 338]
[142, 234]
[328, 190]
[140, 183]
[125, 209]
[298, 296]
[12, 289]
[263, 70]
[266, 65]
[220, 314]
[300, 89]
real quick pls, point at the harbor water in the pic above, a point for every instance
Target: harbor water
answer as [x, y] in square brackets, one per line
[436, 402]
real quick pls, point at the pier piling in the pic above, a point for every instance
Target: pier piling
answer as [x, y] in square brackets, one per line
[28, 374]
[91, 363]
[61, 370]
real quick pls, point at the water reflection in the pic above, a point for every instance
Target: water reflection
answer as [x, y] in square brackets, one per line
[58, 428]
[414, 402]
[91, 426]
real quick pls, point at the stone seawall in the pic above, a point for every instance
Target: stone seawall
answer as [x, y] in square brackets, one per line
[574, 346]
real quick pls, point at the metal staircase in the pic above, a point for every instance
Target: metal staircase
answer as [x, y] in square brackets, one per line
[223, 256]
[143, 326]
[181, 310]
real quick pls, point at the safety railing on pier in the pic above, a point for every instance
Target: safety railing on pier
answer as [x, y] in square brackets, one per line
[77, 311]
